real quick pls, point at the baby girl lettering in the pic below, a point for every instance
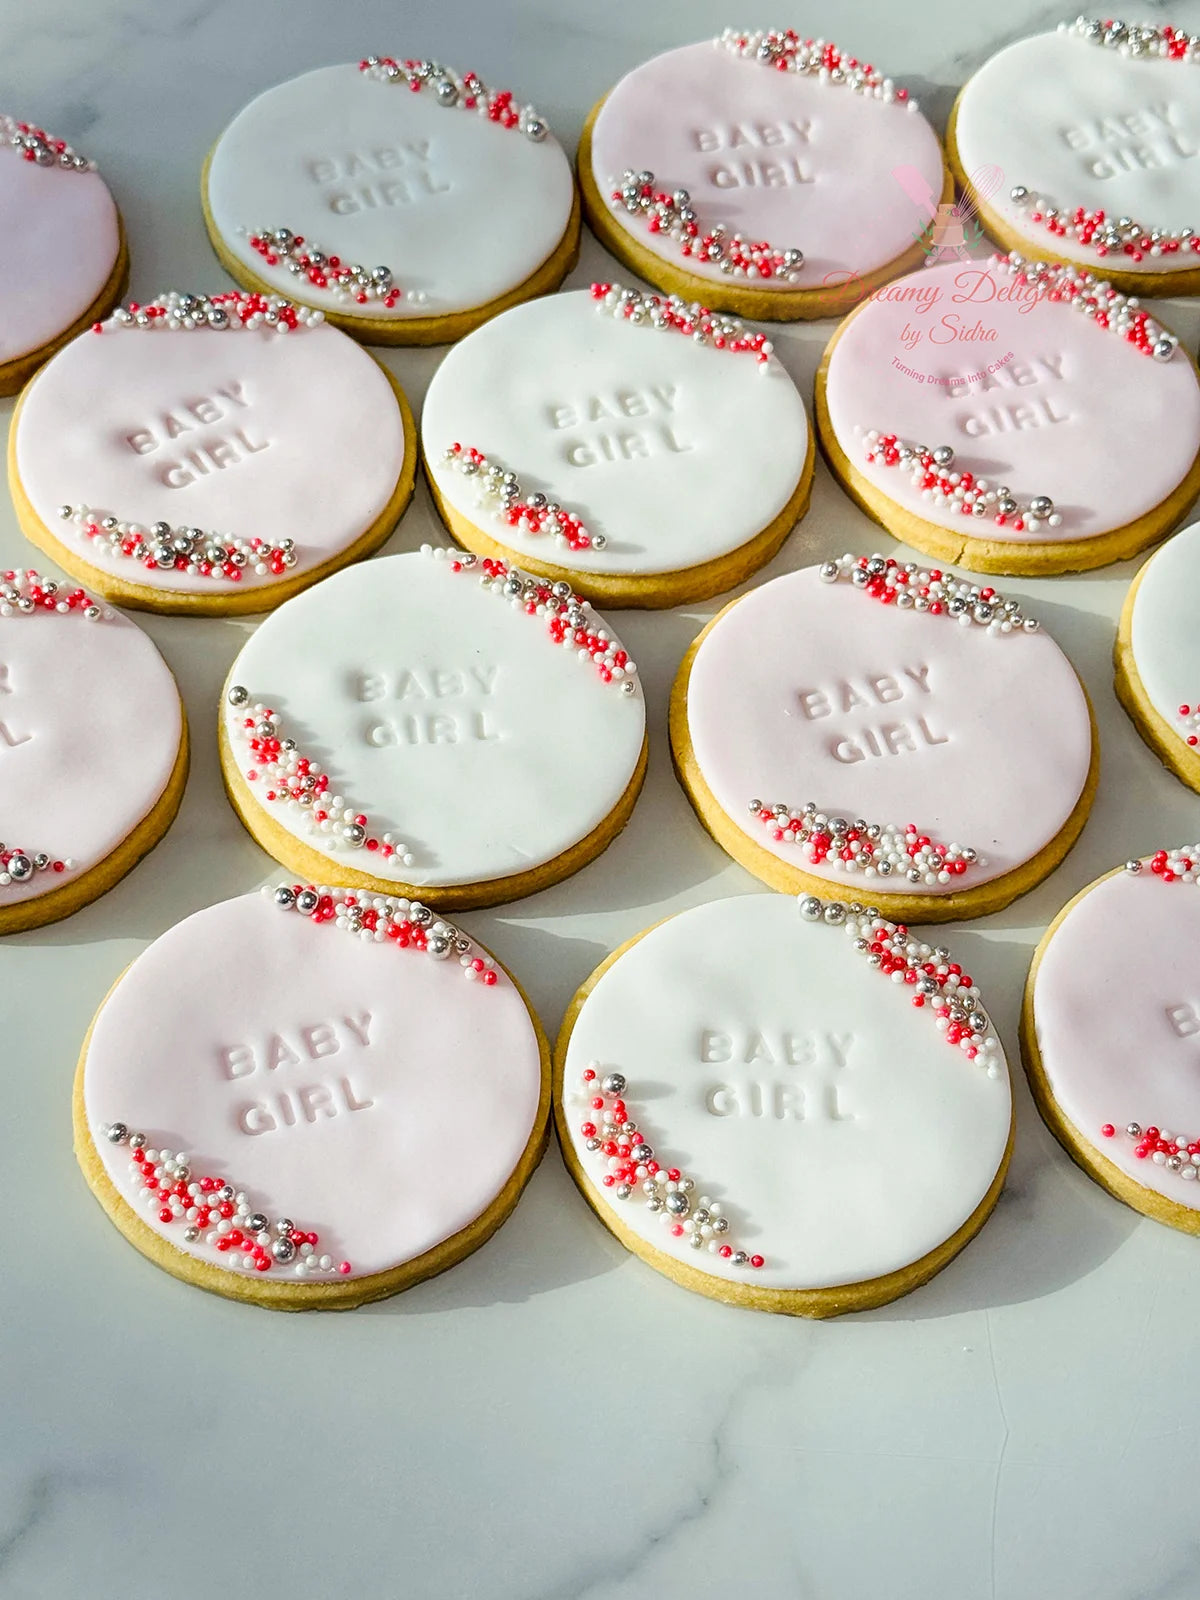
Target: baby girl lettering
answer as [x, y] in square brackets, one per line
[10, 733]
[240, 438]
[418, 686]
[1046, 409]
[749, 171]
[919, 730]
[1183, 1020]
[660, 433]
[284, 1103]
[388, 175]
[779, 1098]
[1131, 141]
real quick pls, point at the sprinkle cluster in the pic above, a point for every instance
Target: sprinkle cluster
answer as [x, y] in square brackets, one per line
[1175, 1151]
[672, 215]
[1173, 44]
[383, 919]
[467, 93]
[35, 144]
[1104, 234]
[676, 315]
[18, 865]
[213, 1211]
[162, 548]
[346, 281]
[177, 311]
[874, 849]
[1117, 313]
[500, 492]
[910, 587]
[786, 51]
[933, 473]
[294, 783]
[940, 985]
[570, 620]
[1190, 717]
[612, 1135]
[1171, 866]
[23, 593]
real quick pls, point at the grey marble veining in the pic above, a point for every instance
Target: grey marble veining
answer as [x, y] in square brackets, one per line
[551, 1420]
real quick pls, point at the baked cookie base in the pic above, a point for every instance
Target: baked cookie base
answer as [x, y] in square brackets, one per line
[444, 328]
[763, 305]
[252, 599]
[309, 865]
[1171, 748]
[833, 1301]
[16, 373]
[960, 904]
[1185, 280]
[1081, 1149]
[79, 891]
[1004, 558]
[644, 590]
[277, 1293]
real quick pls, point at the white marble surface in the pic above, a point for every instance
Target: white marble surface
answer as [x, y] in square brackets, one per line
[551, 1420]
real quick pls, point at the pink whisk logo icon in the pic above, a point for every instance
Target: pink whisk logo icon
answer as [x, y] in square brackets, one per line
[951, 229]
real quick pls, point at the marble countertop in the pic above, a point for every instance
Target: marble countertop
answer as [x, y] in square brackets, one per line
[552, 1420]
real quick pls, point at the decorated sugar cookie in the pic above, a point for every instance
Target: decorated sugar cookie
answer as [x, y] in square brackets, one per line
[345, 1096]
[93, 748]
[203, 454]
[64, 260]
[434, 724]
[1015, 417]
[840, 732]
[406, 200]
[1157, 656]
[1097, 164]
[762, 173]
[1109, 1032]
[799, 1107]
[612, 439]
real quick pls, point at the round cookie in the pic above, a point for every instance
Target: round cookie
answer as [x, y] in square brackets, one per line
[640, 418]
[480, 735]
[338, 1115]
[210, 455]
[408, 217]
[1094, 168]
[1012, 417]
[93, 749]
[841, 730]
[1108, 1032]
[761, 1116]
[764, 174]
[1157, 659]
[64, 261]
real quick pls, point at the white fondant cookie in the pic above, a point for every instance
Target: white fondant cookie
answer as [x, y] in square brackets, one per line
[433, 721]
[93, 752]
[339, 1114]
[643, 421]
[1158, 655]
[63, 259]
[216, 454]
[799, 1108]
[761, 165]
[383, 206]
[1013, 416]
[842, 727]
[1109, 1032]
[1093, 132]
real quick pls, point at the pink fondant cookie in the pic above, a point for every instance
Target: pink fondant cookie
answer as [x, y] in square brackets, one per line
[1109, 1034]
[1096, 165]
[407, 201]
[762, 173]
[795, 1107]
[93, 749]
[1157, 655]
[210, 454]
[842, 729]
[1012, 416]
[613, 439]
[64, 260]
[344, 1096]
[434, 724]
